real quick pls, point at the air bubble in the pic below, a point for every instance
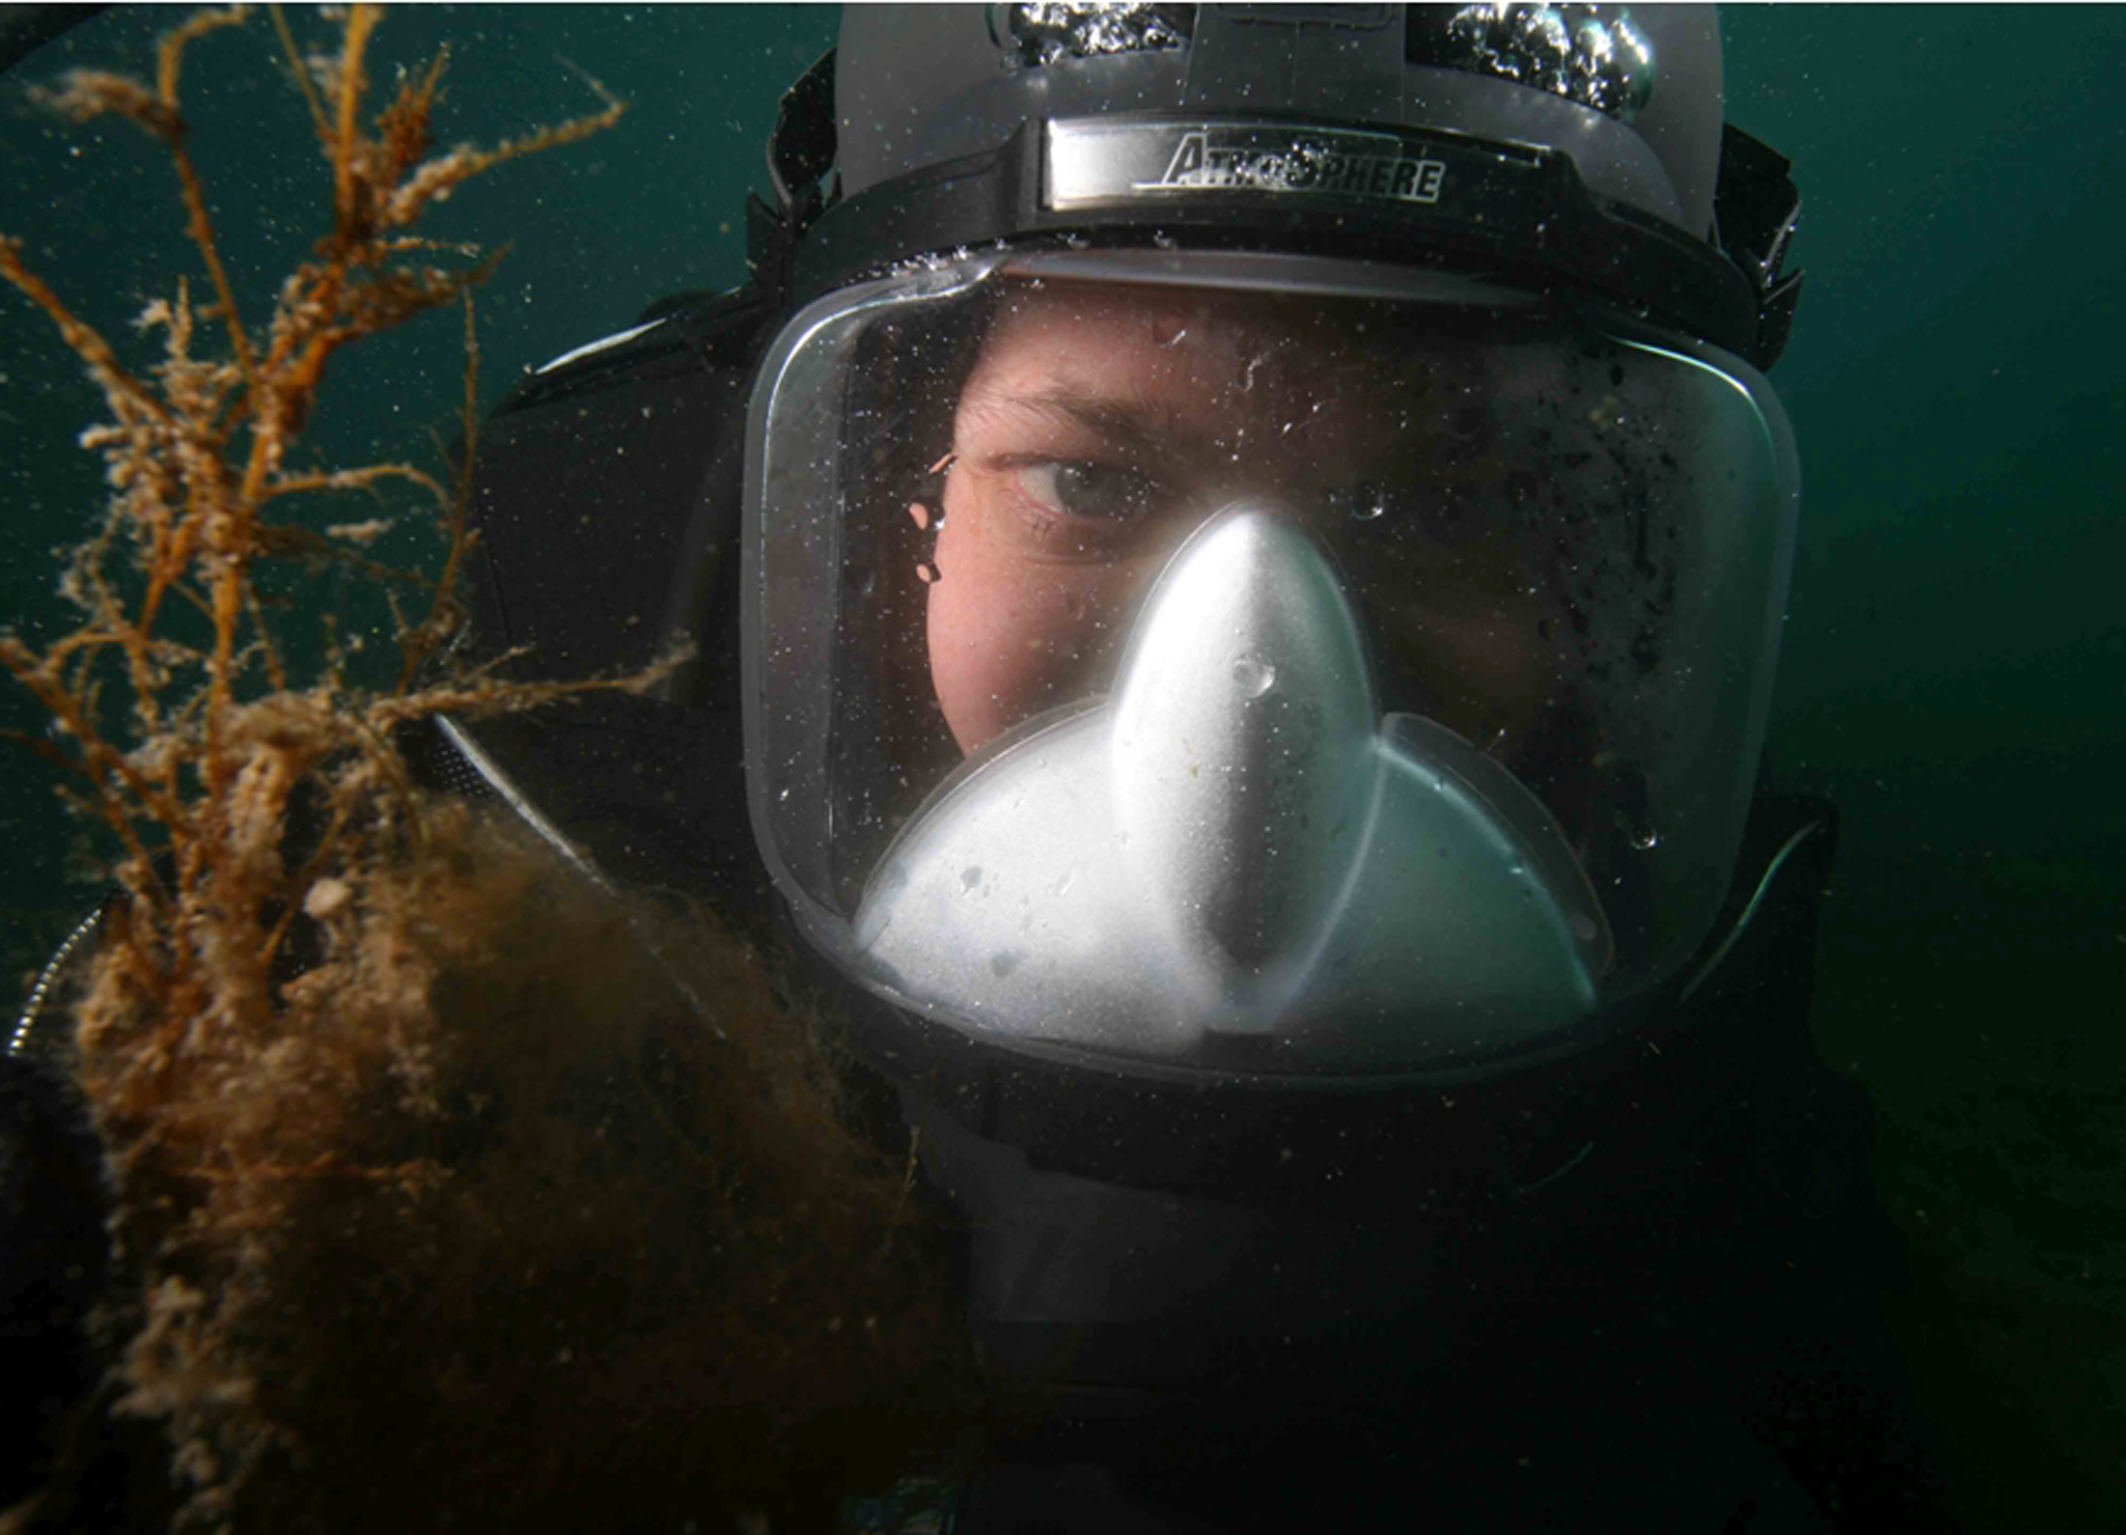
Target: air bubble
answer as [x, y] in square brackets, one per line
[1369, 503]
[1253, 674]
[1646, 841]
[926, 572]
[1583, 928]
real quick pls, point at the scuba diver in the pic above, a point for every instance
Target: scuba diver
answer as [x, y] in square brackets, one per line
[1233, 558]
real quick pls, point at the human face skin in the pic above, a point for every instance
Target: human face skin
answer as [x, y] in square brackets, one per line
[1102, 423]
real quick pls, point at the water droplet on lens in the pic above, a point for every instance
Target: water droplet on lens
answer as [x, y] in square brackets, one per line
[970, 877]
[1361, 500]
[1254, 674]
[1584, 929]
[1063, 885]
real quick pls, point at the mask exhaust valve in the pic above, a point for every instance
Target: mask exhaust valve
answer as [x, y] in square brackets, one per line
[1246, 806]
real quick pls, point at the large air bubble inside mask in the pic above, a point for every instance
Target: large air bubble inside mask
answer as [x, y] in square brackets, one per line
[1234, 860]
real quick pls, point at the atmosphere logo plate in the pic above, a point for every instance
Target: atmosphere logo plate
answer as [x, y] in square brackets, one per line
[1095, 162]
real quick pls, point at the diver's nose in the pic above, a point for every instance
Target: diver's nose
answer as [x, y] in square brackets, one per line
[1241, 764]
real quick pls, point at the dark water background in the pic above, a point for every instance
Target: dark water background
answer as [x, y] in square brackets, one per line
[1955, 670]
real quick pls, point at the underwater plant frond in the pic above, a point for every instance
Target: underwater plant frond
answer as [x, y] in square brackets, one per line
[298, 73]
[417, 645]
[170, 53]
[437, 178]
[126, 394]
[356, 479]
[196, 447]
[420, 1143]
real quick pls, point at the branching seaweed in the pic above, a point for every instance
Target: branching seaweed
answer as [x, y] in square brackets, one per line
[468, 1214]
[198, 763]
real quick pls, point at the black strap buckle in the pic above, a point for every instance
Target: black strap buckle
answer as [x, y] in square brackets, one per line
[1755, 209]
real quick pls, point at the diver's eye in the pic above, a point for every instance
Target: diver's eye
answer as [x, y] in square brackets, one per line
[1076, 488]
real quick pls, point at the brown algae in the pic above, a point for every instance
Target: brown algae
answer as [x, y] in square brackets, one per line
[435, 1198]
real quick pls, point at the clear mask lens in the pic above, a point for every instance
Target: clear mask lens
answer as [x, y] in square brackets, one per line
[1558, 549]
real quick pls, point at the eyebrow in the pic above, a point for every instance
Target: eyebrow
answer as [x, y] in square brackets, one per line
[1134, 427]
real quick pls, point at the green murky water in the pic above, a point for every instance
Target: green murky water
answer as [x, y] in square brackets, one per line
[1955, 670]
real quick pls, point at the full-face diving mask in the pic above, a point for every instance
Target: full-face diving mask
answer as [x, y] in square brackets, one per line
[1256, 663]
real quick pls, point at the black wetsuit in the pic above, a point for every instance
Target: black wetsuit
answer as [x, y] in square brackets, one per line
[1636, 1288]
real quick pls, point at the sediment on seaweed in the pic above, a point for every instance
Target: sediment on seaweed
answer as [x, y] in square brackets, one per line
[493, 1226]
[178, 726]
[434, 1194]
